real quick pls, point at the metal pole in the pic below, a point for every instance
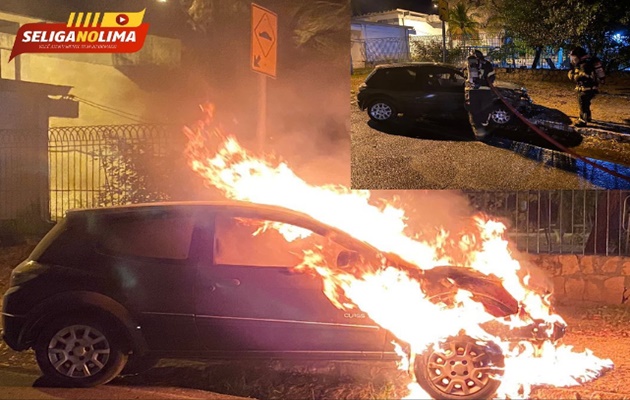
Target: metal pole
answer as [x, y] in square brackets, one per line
[443, 42]
[261, 126]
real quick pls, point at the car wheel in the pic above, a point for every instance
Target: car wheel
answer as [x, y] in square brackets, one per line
[79, 352]
[459, 368]
[500, 116]
[139, 364]
[382, 110]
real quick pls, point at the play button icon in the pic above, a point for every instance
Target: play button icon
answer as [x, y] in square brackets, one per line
[122, 19]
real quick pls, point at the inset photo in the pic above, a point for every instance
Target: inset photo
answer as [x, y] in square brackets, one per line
[461, 95]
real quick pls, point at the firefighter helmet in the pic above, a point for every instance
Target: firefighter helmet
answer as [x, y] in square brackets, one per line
[478, 54]
[578, 52]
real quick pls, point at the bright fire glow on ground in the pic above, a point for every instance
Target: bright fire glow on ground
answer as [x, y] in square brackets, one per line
[392, 296]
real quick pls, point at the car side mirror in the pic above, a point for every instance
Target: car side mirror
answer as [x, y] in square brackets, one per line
[346, 257]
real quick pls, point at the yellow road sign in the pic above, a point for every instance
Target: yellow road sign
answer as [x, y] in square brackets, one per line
[264, 40]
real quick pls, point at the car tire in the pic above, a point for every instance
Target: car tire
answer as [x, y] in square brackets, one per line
[381, 110]
[500, 116]
[90, 347]
[468, 368]
[138, 364]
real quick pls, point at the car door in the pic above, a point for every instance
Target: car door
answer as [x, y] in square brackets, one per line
[400, 84]
[250, 299]
[444, 93]
[153, 272]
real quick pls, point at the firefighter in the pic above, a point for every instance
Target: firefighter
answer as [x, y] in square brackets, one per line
[588, 73]
[478, 95]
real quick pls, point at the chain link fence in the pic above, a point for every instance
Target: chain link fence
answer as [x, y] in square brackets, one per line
[370, 52]
[502, 52]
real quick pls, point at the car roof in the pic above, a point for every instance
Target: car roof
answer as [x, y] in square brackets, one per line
[190, 205]
[251, 209]
[417, 64]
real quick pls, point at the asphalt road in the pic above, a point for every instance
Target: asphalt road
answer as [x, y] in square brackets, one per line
[422, 155]
[22, 383]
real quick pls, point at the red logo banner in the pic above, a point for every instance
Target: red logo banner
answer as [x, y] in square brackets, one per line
[59, 38]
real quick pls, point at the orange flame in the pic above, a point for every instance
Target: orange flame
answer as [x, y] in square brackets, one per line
[392, 296]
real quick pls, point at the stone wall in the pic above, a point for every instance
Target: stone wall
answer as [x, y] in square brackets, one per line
[548, 75]
[586, 278]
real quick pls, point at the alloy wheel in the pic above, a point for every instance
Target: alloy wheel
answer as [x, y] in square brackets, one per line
[381, 111]
[78, 351]
[460, 369]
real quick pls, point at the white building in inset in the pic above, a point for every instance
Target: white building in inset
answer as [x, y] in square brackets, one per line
[421, 24]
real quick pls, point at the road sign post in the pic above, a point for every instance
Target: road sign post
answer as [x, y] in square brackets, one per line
[263, 60]
[443, 13]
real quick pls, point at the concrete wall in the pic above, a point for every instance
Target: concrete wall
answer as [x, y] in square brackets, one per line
[549, 75]
[585, 278]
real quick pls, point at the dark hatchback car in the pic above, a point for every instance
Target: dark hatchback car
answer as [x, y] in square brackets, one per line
[431, 90]
[109, 291]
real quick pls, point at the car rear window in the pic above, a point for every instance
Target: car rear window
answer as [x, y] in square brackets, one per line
[148, 236]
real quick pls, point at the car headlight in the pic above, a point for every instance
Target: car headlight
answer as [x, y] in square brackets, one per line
[25, 272]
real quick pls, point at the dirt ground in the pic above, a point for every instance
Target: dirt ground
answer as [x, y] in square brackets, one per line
[605, 330]
[611, 108]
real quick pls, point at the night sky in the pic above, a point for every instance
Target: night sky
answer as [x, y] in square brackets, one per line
[368, 6]
[166, 18]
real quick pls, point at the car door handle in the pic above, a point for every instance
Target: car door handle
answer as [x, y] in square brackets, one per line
[227, 283]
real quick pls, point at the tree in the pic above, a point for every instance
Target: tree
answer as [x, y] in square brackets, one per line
[462, 22]
[313, 22]
[565, 23]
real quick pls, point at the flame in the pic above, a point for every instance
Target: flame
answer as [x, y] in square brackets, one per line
[392, 295]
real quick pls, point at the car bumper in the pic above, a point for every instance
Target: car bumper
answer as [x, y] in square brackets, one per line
[537, 332]
[12, 327]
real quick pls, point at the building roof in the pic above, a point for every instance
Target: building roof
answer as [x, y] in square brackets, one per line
[399, 10]
[11, 85]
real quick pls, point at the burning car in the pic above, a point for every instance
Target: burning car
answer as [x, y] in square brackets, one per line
[110, 290]
[436, 90]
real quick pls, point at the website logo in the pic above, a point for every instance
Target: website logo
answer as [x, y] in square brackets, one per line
[109, 32]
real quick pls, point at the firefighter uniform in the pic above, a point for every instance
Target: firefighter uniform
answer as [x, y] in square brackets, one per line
[587, 72]
[478, 95]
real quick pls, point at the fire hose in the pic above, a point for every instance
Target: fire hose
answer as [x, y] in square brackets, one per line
[551, 140]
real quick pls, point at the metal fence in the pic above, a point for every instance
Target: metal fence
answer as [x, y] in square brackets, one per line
[371, 52]
[562, 221]
[92, 166]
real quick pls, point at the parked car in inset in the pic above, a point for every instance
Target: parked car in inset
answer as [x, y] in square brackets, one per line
[435, 91]
[111, 290]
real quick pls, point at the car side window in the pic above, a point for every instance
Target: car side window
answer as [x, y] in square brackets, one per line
[401, 78]
[152, 236]
[263, 243]
[445, 79]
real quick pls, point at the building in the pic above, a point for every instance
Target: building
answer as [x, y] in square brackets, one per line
[377, 42]
[420, 24]
[42, 91]
[100, 81]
